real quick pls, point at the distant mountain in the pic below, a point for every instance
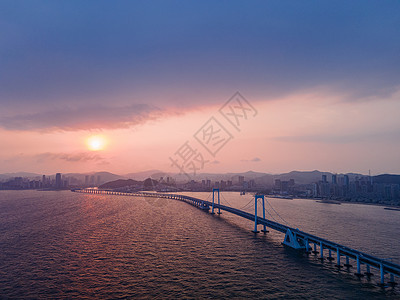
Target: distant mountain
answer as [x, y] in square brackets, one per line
[19, 174]
[104, 176]
[304, 177]
[155, 174]
[387, 178]
[119, 183]
[249, 175]
[266, 179]
[150, 183]
[300, 177]
[216, 176]
[107, 176]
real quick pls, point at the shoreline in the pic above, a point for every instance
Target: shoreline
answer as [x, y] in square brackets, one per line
[338, 202]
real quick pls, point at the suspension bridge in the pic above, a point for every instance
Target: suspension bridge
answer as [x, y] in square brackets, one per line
[294, 238]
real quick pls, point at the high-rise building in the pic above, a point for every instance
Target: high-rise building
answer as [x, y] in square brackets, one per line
[87, 180]
[241, 180]
[223, 184]
[346, 180]
[284, 186]
[278, 184]
[334, 179]
[58, 181]
[324, 178]
[315, 190]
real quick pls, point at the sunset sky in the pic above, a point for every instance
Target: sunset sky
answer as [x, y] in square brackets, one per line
[121, 86]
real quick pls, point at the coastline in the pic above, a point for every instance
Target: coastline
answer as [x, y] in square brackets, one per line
[338, 202]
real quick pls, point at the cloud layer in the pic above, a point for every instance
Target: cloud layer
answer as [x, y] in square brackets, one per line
[88, 117]
[69, 157]
[54, 54]
[255, 160]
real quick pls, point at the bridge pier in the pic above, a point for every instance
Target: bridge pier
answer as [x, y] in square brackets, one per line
[307, 246]
[321, 248]
[292, 241]
[294, 237]
[330, 258]
[368, 273]
[392, 282]
[382, 282]
[338, 258]
[347, 264]
[315, 248]
[358, 273]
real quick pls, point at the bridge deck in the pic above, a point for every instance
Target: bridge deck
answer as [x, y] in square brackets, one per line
[363, 258]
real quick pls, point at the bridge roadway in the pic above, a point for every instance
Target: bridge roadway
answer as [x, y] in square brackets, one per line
[385, 267]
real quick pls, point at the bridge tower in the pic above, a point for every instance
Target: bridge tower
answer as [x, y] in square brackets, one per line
[213, 199]
[256, 197]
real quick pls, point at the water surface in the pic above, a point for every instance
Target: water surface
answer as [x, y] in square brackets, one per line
[69, 245]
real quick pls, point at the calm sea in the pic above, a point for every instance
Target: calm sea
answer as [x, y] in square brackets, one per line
[70, 245]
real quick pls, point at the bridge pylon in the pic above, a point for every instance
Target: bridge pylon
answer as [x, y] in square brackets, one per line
[263, 204]
[213, 200]
[256, 197]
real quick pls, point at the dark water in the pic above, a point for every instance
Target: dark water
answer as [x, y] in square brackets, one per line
[68, 245]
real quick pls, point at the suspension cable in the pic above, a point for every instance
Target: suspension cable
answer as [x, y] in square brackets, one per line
[265, 209]
[278, 214]
[226, 200]
[251, 201]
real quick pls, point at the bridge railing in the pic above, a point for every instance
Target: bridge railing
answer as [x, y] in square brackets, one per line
[341, 250]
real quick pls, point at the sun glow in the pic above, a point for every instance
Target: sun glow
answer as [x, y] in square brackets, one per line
[96, 142]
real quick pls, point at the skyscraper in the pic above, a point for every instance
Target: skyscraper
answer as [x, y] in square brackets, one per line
[324, 178]
[208, 183]
[346, 180]
[58, 181]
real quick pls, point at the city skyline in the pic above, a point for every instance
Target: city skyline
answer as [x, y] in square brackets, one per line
[169, 149]
[121, 88]
[336, 188]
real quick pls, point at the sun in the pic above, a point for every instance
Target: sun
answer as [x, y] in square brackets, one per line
[96, 142]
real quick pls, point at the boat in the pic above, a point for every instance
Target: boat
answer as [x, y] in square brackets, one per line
[393, 208]
[281, 197]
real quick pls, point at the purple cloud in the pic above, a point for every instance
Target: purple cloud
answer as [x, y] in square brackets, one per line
[87, 117]
[255, 159]
[70, 157]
